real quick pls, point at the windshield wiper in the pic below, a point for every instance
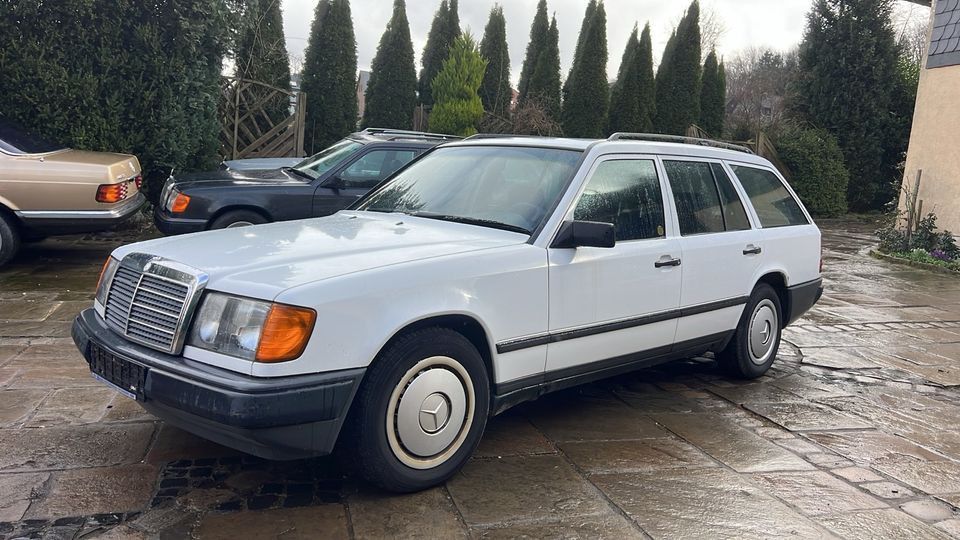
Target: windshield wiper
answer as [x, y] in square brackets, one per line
[297, 172]
[493, 224]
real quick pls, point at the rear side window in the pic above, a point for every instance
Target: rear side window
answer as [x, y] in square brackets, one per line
[627, 194]
[774, 205]
[699, 209]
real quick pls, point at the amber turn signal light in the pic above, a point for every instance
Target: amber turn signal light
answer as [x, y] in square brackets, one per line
[111, 193]
[180, 203]
[285, 333]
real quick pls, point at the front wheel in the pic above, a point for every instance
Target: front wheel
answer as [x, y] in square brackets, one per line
[421, 410]
[754, 346]
[237, 218]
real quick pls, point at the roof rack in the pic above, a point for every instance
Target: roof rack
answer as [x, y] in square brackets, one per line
[500, 136]
[655, 137]
[395, 134]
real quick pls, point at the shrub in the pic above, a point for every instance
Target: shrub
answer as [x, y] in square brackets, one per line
[816, 164]
[457, 108]
[926, 238]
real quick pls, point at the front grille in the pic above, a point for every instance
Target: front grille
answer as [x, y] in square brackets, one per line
[148, 307]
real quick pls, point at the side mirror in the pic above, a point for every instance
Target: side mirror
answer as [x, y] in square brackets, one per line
[574, 234]
[335, 182]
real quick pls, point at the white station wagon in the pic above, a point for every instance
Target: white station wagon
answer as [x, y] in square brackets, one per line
[484, 274]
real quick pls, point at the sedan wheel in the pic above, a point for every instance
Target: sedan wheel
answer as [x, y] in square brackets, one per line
[764, 325]
[753, 347]
[239, 224]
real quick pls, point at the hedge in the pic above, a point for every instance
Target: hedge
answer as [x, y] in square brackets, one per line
[816, 164]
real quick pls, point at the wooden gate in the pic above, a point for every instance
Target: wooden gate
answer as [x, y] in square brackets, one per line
[246, 128]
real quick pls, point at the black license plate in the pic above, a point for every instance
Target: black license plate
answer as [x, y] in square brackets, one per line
[125, 376]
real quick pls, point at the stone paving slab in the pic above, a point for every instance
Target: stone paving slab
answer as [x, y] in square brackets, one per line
[816, 493]
[101, 490]
[880, 524]
[375, 515]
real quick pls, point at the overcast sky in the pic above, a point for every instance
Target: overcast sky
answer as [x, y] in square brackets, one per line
[762, 23]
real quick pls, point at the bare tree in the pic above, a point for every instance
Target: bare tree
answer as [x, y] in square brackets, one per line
[912, 25]
[712, 30]
[758, 81]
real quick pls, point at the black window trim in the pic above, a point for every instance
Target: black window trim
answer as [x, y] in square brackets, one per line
[621, 156]
[783, 182]
[748, 209]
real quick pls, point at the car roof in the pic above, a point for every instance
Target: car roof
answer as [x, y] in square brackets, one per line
[626, 143]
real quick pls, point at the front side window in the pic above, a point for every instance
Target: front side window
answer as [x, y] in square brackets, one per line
[376, 165]
[627, 194]
[503, 187]
[775, 206]
[699, 210]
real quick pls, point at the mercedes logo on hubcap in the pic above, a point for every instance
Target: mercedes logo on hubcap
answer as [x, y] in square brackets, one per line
[434, 413]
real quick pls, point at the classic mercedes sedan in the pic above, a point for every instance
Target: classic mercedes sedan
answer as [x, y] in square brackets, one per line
[486, 273]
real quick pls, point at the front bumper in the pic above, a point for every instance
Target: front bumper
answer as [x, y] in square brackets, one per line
[802, 297]
[170, 225]
[275, 418]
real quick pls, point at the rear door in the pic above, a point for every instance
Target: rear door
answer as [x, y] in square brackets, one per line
[357, 177]
[721, 248]
[609, 302]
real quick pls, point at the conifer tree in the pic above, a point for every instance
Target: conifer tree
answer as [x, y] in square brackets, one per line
[544, 85]
[647, 92]
[678, 77]
[495, 90]
[443, 31]
[458, 107]
[624, 94]
[329, 76]
[585, 104]
[261, 53]
[539, 34]
[581, 37]
[713, 96]
[848, 62]
[392, 90]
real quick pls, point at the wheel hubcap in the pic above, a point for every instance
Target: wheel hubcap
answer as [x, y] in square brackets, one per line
[430, 412]
[239, 224]
[764, 325]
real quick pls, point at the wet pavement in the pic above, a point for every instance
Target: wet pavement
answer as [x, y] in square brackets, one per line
[854, 433]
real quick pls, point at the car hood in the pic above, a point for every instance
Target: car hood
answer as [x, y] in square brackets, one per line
[233, 178]
[264, 260]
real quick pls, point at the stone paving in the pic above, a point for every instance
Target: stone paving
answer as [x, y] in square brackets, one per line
[854, 433]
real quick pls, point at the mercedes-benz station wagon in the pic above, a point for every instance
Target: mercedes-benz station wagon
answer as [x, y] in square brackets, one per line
[487, 273]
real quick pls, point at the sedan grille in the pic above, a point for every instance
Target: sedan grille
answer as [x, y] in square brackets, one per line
[149, 306]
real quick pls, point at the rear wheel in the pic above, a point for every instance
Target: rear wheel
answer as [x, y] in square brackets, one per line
[238, 218]
[753, 348]
[421, 411]
[9, 239]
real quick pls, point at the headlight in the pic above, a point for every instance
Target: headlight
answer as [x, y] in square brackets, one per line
[251, 329]
[176, 202]
[106, 277]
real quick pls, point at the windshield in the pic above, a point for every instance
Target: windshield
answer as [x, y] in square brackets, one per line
[16, 141]
[504, 187]
[321, 162]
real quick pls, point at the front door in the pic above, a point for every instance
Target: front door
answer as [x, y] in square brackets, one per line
[721, 250]
[609, 302]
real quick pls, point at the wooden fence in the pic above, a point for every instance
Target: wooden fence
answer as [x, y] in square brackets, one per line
[247, 129]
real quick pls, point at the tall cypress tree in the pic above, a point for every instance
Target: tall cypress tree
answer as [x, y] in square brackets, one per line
[847, 62]
[261, 53]
[544, 85]
[678, 78]
[713, 96]
[632, 104]
[392, 90]
[495, 90]
[329, 75]
[648, 86]
[581, 37]
[443, 32]
[458, 107]
[539, 34]
[586, 102]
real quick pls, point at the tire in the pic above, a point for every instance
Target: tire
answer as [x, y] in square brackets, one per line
[396, 436]
[238, 218]
[753, 348]
[9, 239]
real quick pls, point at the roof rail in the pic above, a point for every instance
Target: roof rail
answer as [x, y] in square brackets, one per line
[656, 137]
[401, 133]
[476, 136]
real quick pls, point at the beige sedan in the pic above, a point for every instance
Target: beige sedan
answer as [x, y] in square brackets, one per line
[48, 190]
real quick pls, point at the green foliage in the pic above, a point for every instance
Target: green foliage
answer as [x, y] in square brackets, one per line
[329, 76]
[815, 162]
[713, 96]
[848, 74]
[678, 77]
[443, 32]
[632, 104]
[539, 35]
[118, 75]
[923, 256]
[261, 53]
[581, 37]
[926, 237]
[392, 90]
[458, 108]
[586, 95]
[495, 90]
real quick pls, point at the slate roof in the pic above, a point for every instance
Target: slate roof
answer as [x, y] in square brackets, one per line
[945, 39]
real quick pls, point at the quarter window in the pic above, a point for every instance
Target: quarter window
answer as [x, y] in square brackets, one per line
[699, 209]
[734, 216]
[627, 194]
[775, 206]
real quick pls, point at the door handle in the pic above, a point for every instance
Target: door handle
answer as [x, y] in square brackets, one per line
[752, 250]
[668, 262]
